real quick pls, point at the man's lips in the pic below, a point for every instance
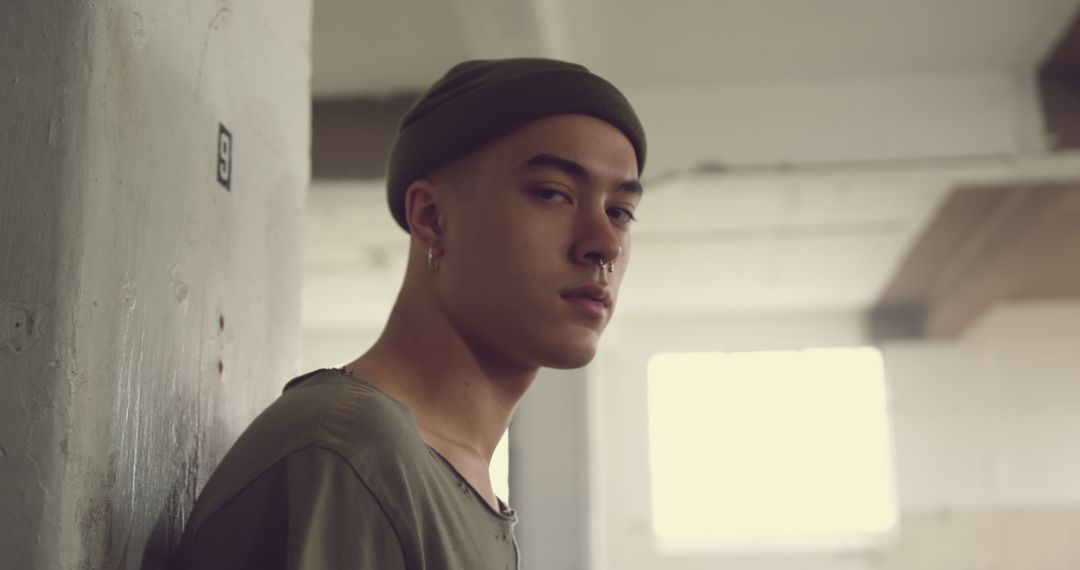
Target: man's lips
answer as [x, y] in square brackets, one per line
[591, 291]
[592, 299]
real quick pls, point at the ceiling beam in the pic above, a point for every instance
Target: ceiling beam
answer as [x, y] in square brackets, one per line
[1059, 89]
[351, 138]
[984, 246]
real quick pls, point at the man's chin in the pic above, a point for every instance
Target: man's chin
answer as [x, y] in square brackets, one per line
[566, 357]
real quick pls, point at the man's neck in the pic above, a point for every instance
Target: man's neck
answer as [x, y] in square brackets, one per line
[462, 403]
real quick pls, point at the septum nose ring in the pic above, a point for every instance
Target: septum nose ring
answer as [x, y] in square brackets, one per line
[610, 265]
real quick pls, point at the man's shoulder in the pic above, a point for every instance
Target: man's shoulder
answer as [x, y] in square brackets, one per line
[330, 405]
[330, 409]
[372, 433]
[307, 460]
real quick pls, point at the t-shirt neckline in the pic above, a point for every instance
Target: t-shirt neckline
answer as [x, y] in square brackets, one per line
[505, 512]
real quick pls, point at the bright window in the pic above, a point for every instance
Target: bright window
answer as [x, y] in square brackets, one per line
[770, 449]
[500, 469]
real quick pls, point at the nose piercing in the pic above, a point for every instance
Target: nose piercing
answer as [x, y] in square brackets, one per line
[610, 265]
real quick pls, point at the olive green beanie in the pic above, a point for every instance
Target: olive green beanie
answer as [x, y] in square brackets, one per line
[479, 101]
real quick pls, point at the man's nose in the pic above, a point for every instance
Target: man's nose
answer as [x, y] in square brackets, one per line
[598, 242]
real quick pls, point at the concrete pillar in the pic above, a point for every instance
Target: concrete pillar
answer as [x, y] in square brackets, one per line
[149, 290]
[549, 471]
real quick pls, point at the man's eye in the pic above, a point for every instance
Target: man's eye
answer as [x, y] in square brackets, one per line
[621, 215]
[553, 196]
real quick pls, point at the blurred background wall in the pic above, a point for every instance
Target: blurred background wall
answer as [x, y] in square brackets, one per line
[149, 292]
[826, 173]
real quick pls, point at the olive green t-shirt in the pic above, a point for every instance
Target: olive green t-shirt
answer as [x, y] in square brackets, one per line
[334, 474]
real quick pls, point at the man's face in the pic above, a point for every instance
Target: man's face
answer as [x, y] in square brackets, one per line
[523, 242]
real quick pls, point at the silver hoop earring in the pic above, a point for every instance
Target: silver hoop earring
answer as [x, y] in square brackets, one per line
[432, 261]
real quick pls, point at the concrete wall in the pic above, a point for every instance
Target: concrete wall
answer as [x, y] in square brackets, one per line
[984, 430]
[146, 312]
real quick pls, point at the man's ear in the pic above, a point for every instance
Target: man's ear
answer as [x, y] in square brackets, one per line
[424, 203]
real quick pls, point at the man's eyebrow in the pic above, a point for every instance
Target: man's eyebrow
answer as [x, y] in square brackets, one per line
[547, 160]
[566, 165]
[632, 187]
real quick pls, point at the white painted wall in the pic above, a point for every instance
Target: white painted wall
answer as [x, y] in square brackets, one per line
[984, 431]
[122, 256]
[329, 348]
[980, 422]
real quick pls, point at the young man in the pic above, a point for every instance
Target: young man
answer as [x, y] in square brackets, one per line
[517, 180]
